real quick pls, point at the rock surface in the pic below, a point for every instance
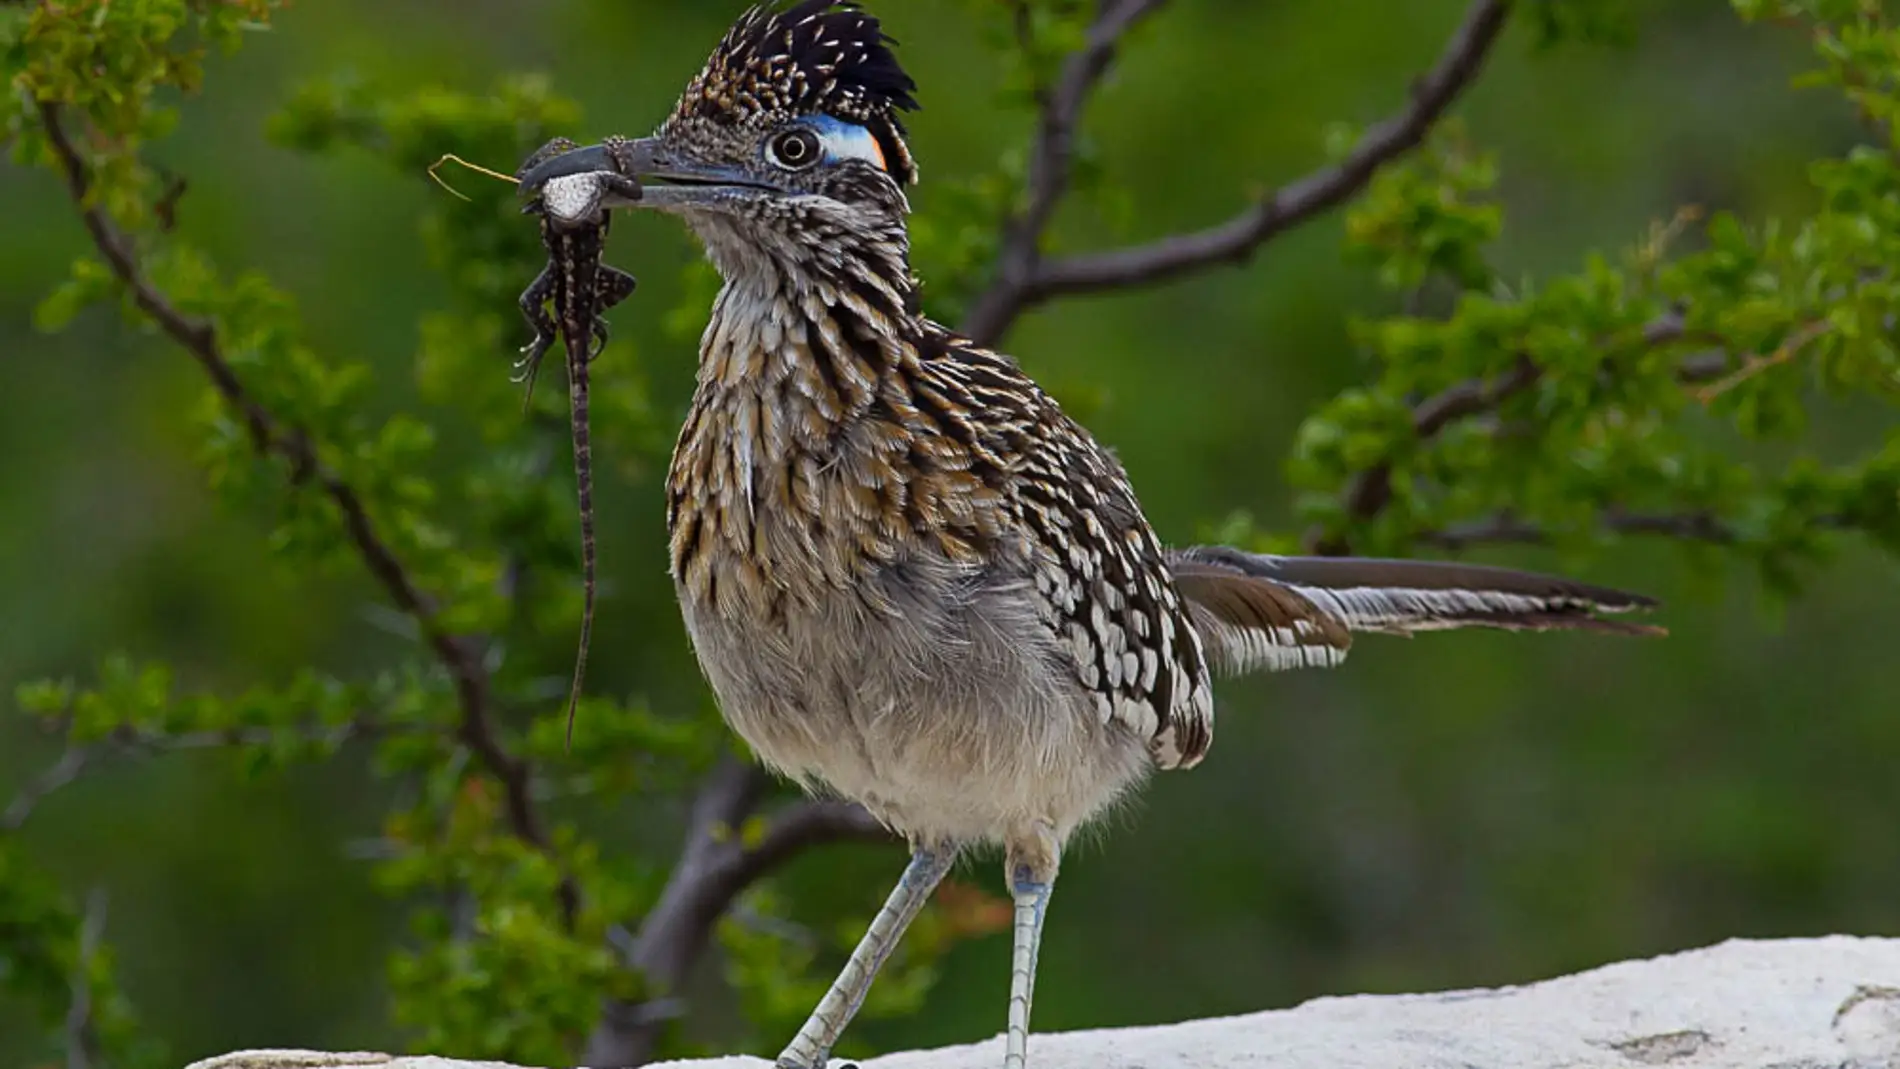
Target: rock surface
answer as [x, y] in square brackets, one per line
[1830, 1003]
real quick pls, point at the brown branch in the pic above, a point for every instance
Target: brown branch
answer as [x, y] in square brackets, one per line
[291, 444]
[807, 824]
[1371, 490]
[1240, 237]
[1051, 166]
[715, 867]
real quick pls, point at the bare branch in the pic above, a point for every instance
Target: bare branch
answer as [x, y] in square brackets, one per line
[1240, 237]
[689, 906]
[1051, 164]
[1371, 490]
[458, 654]
[807, 824]
[714, 869]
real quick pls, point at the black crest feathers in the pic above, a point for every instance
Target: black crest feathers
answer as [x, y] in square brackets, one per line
[815, 57]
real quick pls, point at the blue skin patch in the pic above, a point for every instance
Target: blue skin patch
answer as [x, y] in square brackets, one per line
[847, 141]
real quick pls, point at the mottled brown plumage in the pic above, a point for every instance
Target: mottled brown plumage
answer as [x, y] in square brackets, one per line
[865, 437]
[910, 577]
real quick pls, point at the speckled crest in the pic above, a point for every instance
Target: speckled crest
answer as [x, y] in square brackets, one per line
[815, 57]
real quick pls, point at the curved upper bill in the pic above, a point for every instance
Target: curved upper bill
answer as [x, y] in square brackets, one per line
[649, 161]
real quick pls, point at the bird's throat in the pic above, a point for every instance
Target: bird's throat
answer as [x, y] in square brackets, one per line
[786, 478]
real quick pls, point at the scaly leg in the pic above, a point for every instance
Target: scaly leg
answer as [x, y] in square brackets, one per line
[611, 286]
[534, 309]
[812, 1046]
[1032, 876]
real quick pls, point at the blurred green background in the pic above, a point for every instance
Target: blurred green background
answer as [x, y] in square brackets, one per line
[1475, 809]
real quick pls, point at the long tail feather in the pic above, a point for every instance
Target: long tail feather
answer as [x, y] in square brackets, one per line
[1256, 611]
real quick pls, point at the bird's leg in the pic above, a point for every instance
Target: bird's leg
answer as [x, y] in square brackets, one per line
[1031, 867]
[812, 1045]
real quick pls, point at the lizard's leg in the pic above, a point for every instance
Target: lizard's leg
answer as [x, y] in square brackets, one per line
[611, 286]
[534, 308]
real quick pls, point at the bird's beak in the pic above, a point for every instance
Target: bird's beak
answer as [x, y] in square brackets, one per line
[667, 180]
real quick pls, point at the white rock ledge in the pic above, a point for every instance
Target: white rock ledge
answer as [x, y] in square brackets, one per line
[1830, 1003]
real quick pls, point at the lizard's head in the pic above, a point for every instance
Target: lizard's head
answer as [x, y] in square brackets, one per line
[785, 150]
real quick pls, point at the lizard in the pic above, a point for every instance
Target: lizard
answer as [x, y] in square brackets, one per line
[579, 287]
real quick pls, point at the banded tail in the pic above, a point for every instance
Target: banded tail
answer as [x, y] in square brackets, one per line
[1256, 612]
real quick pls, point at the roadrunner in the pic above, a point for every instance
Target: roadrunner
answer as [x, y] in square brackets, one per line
[910, 578]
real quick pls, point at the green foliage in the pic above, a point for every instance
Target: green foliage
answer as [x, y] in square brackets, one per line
[497, 967]
[49, 957]
[1633, 393]
[1430, 219]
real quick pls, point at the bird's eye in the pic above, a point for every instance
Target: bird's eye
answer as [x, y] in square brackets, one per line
[794, 150]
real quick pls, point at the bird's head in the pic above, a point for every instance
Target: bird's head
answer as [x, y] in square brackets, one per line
[785, 151]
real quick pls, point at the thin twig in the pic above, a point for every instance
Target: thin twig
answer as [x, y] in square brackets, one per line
[1241, 236]
[1755, 365]
[807, 823]
[199, 337]
[450, 157]
[1371, 490]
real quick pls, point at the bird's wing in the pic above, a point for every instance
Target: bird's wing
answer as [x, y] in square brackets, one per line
[1109, 598]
